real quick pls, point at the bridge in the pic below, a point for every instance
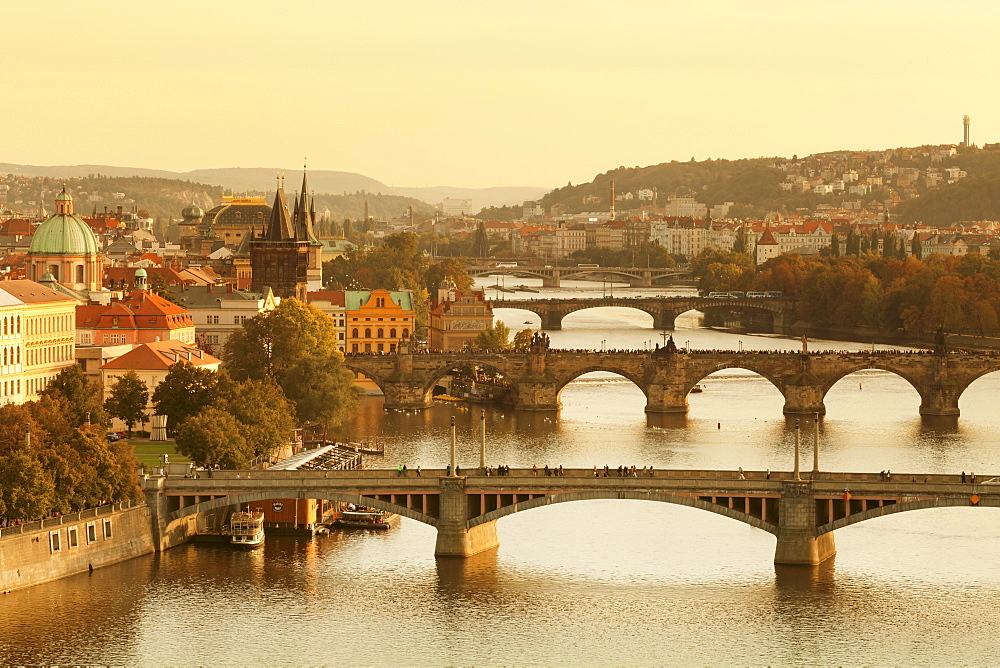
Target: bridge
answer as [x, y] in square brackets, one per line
[780, 312]
[801, 514]
[552, 277]
[538, 377]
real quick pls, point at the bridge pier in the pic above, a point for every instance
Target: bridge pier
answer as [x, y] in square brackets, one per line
[643, 281]
[455, 538]
[534, 395]
[664, 320]
[552, 320]
[551, 282]
[940, 400]
[406, 395]
[664, 398]
[798, 543]
[804, 396]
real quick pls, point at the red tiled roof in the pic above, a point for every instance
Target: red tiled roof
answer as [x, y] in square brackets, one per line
[161, 355]
[335, 297]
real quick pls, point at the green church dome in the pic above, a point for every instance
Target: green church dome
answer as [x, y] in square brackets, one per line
[64, 234]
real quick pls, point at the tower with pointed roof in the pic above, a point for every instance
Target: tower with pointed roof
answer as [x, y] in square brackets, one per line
[287, 256]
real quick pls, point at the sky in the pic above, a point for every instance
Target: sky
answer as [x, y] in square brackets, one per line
[479, 93]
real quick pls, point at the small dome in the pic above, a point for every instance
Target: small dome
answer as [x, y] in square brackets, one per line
[64, 234]
[64, 196]
[192, 211]
[48, 278]
[140, 273]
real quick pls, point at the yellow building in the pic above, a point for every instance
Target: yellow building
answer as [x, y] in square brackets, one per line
[42, 345]
[378, 320]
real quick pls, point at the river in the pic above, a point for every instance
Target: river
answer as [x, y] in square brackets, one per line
[584, 583]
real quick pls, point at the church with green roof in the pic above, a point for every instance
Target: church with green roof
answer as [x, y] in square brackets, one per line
[65, 247]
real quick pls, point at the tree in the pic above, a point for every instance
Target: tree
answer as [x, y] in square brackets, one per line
[128, 399]
[82, 395]
[835, 245]
[295, 345]
[742, 244]
[213, 437]
[184, 391]
[26, 490]
[481, 242]
[449, 268]
[522, 340]
[263, 411]
[916, 247]
[853, 245]
[494, 339]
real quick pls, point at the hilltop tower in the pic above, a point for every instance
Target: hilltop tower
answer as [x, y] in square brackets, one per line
[612, 199]
[965, 126]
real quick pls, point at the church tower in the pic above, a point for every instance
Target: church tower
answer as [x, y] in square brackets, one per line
[67, 248]
[287, 256]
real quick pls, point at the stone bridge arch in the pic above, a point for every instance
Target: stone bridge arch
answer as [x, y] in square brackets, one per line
[636, 495]
[829, 382]
[701, 374]
[289, 493]
[433, 376]
[632, 375]
[373, 375]
[964, 384]
[892, 509]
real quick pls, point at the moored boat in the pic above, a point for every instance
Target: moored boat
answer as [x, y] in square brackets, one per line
[246, 529]
[353, 517]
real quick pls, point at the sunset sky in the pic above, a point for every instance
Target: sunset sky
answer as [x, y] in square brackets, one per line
[486, 93]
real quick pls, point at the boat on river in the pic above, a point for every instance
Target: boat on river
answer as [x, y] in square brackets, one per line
[246, 529]
[352, 517]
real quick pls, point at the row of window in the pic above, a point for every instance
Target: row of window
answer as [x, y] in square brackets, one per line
[379, 333]
[48, 324]
[36, 385]
[11, 325]
[73, 536]
[49, 354]
[214, 319]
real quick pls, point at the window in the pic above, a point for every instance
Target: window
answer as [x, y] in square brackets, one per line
[72, 538]
[381, 347]
[368, 347]
[91, 532]
[406, 333]
[55, 543]
[354, 347]
[212, 339]
[380, 302]
[239, 319]
[368, 333]
[213, 320]
[354, 333]
[107, 529]
[340, 336]
[381, 333]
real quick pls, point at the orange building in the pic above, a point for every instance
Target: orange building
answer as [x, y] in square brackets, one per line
[378, 320]
[142, 317]
[457, 317]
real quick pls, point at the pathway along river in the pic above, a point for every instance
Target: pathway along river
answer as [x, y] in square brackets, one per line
[586, 583]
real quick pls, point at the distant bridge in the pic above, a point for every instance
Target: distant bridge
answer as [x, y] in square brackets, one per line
[802, 514]
[538, 377]
[780, 312]
[552, 277]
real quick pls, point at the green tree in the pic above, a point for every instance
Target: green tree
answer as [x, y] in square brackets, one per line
[835, 245]
[128, 399]
[264, 413]
[495, 339]
[743, 244]
[481, 242]
[213, 437]
[916, 247]
[184, 391]
[295, 346]
[82, 395]
[522, 340]
[26, 490]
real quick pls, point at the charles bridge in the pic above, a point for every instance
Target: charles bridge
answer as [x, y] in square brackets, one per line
[552, 277]
[800, 510]
[537, 377]
[780, 312]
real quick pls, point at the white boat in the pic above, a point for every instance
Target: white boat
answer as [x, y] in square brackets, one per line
[362, 518]
[246, 529]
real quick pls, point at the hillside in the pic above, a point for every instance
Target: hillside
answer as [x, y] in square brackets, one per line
[262, 179]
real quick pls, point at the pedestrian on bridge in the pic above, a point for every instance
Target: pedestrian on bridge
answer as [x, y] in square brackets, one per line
[399, 470]
[534, 469]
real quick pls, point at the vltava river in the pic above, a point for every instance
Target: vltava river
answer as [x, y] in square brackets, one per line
[586, 583]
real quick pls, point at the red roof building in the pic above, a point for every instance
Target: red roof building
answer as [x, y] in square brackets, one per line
[142, 317]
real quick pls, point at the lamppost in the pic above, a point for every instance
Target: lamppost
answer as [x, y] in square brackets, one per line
[482, 441]
[741, 345]
[797, 444]
[816, 444]
[454, 455]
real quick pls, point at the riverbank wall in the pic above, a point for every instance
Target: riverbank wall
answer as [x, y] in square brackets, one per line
[896, 337]
[57, 547]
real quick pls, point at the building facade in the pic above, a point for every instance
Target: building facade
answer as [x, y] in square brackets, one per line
[378, 320]
[458, 317]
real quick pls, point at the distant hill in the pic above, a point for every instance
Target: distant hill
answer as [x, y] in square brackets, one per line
[971, 199]
[262, 179]
[481, 197]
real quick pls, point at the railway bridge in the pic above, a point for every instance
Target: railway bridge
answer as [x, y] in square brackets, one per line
[801, 513]
[781, 312]
[538, 376]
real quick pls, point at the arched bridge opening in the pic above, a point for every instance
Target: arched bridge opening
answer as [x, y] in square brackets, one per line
[760, 512]
[839, 512]
[423, 507]
[472, 380]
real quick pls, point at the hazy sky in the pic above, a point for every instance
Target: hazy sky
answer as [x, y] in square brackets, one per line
[486, 93]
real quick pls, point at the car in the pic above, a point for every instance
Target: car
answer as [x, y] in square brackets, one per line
[991, 481]
[112, 437]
